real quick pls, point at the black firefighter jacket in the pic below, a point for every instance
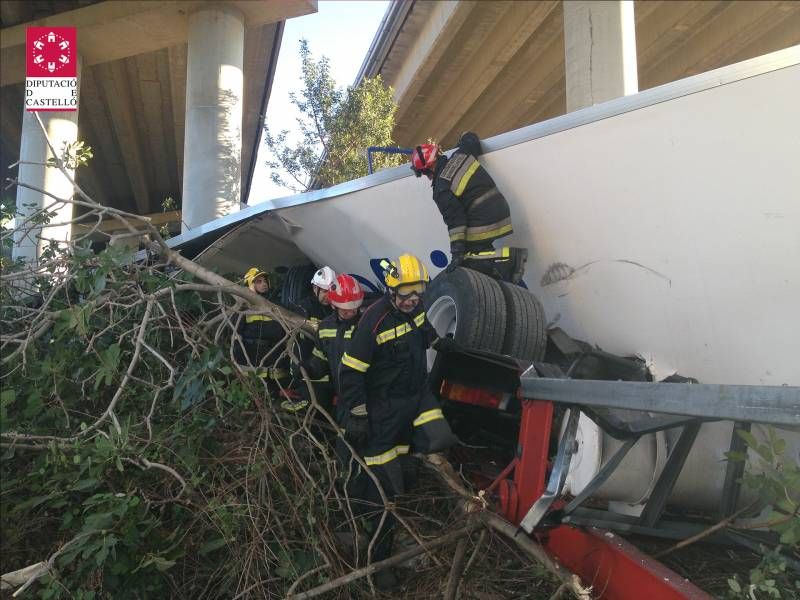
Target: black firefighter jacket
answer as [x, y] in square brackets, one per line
[260, 334]
[333, 336]
[386, 358]
[313, 310]
[384, 373]
[474, 210]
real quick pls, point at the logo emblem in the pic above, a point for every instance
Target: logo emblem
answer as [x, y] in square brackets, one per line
[51, 81]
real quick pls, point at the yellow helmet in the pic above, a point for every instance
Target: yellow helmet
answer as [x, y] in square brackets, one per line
[252, 274]
[407, 272]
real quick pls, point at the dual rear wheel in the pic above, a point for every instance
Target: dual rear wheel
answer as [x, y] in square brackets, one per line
[476, 310]
[482, 313]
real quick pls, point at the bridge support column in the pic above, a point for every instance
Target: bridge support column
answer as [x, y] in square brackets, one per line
[600, 51]
[62, 128]
[214, 97]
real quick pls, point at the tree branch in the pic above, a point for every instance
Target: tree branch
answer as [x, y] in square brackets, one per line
[472, 504]
[389, 562]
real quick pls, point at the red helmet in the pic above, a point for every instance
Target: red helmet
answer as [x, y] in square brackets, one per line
[423, 158]
[345, 293]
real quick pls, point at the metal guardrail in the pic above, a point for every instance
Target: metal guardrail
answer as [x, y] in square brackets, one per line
[774, 405]
[386, 150]
[683, 406]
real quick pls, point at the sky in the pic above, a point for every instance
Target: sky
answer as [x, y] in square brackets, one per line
[342, 31]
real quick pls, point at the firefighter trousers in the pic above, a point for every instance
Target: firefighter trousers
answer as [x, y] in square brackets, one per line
[386, 453]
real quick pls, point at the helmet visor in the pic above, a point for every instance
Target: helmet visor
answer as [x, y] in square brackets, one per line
[405, 292]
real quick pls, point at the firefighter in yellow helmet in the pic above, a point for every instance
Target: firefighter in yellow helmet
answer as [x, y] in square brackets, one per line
[382, 386]
[259, 335]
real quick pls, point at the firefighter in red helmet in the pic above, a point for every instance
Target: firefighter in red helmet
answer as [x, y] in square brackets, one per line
[335, 331]
[474, 210]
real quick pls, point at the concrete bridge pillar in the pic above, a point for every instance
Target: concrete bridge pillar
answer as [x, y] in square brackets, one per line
[62, 128]
[214, 96]
[600, 49]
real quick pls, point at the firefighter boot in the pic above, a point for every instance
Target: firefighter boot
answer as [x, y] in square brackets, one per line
[489, 261]
[509, 265]
[504, 264]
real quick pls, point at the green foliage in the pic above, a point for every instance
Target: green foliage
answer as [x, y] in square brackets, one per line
[8, 210]
[74, 155]
[776, 479]
[167, 205]
[336, 128]
[770, 579]
[123, 528]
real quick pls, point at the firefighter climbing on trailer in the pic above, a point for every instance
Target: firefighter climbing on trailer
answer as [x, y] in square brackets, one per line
[334, 333]
[258, 337]
[474, 210]
[314, 307]
[386, 405]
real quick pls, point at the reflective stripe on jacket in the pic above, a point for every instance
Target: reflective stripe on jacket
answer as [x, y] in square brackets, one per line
[333, 336]
[260, 334]
[313, 310]
[387, 355]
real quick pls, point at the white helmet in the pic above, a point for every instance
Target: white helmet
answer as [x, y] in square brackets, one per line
[324, 278]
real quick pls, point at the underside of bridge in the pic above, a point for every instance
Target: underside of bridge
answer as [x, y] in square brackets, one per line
[496, 66]
[133, 89]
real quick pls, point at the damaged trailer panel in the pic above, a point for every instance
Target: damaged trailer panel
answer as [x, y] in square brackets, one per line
[663, 224]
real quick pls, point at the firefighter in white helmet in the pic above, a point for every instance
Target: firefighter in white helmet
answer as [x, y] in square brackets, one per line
[315, 307]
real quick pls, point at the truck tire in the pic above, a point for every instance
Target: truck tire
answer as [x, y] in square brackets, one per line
[470, 306]
[297, 284]
[526, 336]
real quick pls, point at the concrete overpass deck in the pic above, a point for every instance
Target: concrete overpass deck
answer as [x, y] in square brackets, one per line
[133, 88]
[497, 66]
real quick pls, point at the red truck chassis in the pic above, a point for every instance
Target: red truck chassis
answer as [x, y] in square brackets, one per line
[528, 491]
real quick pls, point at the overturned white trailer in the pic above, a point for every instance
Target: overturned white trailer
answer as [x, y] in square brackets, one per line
[663, 225]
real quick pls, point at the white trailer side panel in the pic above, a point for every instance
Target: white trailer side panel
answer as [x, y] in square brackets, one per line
[671, 231]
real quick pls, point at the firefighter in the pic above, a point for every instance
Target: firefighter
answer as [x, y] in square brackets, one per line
[474, 210]
[382, 383]
[314, 307]
[335, 332]
[260, 334]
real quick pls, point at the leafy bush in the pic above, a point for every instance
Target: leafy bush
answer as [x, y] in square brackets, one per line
[777, 482]
[134, 444]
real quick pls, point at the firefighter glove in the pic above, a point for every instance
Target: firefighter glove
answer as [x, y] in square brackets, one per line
[446, 344]
[456, 261]
[357, 427]
[470, 143]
